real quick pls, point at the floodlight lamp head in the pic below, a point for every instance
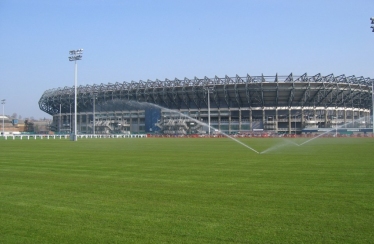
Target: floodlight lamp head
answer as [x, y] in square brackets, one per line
[75, 52]
[75, 58]
[372, 27]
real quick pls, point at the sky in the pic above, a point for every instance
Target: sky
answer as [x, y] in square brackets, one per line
[167, 39]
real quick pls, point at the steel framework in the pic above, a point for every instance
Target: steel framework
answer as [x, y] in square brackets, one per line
[228, 92]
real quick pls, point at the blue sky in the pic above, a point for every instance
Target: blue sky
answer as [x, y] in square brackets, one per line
[141, 40]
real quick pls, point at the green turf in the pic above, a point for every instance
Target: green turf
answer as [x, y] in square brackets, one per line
[173, 190]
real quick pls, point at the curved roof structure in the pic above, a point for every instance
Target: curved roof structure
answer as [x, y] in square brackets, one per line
[248, 91]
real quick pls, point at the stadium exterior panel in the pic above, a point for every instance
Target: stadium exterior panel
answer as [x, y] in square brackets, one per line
[281, 104]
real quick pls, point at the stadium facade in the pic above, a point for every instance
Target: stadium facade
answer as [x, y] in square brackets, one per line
[280, 104]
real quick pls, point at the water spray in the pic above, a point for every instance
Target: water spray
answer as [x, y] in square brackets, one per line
[336, 128]
[195, 120]
[289, 142]
[294, 143]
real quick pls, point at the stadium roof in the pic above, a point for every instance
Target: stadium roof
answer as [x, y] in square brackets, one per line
[237, 91]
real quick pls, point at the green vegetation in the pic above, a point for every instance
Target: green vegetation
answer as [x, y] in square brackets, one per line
[166, 190]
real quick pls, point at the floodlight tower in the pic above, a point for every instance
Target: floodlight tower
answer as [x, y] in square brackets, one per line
[372, 84]
[75, 55]
[3, 103]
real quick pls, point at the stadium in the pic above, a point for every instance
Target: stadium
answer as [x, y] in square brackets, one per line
[275, 104]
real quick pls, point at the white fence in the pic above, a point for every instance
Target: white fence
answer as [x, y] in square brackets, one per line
[47, 137]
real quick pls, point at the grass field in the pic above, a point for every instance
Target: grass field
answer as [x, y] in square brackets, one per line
[172, 190]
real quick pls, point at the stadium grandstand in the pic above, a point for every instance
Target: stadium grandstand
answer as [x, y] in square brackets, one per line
[277, 104]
